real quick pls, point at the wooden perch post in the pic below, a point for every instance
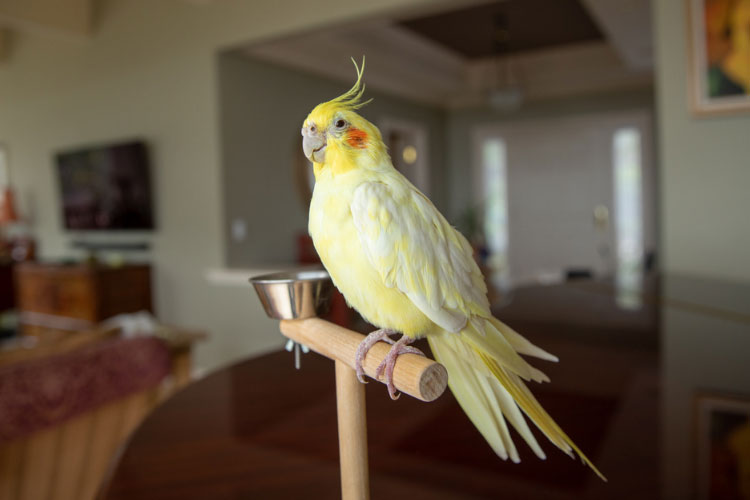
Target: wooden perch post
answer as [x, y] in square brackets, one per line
[415, 375]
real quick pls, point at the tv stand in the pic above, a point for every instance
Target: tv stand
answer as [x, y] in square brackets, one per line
[74, 297]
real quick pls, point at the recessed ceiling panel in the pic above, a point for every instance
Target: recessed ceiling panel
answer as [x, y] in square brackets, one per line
[508, 27]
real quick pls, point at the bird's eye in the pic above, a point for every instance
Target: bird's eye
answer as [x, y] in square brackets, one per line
[340, 123]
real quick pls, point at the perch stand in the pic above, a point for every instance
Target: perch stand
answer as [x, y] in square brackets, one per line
[296, 298]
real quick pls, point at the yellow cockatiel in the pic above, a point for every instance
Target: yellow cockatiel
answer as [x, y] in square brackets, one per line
[405, 269]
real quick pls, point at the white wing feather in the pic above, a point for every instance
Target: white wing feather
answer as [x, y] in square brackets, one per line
[416, 250]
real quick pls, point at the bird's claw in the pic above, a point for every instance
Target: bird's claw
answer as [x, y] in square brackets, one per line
[386, 367]
[389, 363]
[364, 346]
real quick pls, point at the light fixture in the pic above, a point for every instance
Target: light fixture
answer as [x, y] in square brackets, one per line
[505, 93]
[409, 154]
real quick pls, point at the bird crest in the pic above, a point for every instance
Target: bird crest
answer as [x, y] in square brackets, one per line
[350, 100]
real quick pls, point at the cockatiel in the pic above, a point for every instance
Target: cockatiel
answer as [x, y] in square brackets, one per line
[405, 269]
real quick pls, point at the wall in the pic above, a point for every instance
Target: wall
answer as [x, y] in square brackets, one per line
[703, 353]
[555, 148]
[705, 167]
[558, 170]
[149, 70]
[262, 109]
[461, 123]
[705, 180]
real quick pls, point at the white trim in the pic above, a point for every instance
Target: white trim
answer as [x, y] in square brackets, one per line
[238, 277]
[226, 276]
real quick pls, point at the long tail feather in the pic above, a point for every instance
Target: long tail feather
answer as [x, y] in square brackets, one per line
[536, 413]
[485, 376]
[520, 343]
[464, 382]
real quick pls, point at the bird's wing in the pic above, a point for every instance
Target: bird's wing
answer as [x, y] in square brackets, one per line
[416, 250]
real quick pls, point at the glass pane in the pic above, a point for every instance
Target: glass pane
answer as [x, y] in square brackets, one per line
[628, 216]
[494, 177]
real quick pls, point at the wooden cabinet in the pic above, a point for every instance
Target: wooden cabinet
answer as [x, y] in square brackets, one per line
[77, 296]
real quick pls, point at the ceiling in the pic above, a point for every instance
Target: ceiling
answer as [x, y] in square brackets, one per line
[507, 27]
[454, 59]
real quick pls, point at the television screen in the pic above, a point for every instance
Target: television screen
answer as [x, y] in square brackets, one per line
[106, 187]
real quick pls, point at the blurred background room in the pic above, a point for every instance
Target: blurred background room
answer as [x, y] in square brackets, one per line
[596, 154]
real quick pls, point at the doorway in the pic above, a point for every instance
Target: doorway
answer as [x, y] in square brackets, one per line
[566, 196]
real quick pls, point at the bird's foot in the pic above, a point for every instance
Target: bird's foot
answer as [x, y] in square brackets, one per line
[389, 362]
[364, 346]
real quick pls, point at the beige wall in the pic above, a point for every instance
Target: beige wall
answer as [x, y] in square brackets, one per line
[705, 167]
[552, 144]
[558, 170]
[461, 124]
[149, 71]
[705, 203]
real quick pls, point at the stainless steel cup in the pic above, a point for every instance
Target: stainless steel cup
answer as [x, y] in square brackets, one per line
[294, 294]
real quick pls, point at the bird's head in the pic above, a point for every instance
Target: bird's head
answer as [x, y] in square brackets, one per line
[335, 136]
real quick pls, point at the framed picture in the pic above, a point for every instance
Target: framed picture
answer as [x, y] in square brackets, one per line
[719, 54]
[723, 447]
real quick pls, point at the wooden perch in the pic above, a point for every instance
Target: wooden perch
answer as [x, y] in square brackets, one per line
[415, 375]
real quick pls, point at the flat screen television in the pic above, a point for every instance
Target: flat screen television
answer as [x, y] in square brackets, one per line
[106, 187]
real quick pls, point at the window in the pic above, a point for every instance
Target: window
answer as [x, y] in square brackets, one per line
[628, 216]
[495, 223]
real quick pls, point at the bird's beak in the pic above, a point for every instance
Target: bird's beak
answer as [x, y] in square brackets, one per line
[314, 144]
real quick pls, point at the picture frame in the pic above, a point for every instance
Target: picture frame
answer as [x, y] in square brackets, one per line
[719, 56]
[722, 446]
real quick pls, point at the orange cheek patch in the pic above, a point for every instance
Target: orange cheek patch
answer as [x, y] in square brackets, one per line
[356, 138]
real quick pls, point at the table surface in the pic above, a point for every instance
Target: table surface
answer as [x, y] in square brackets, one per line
[261, 429]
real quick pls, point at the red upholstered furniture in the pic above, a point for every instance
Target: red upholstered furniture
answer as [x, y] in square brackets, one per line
[67, 405]
[44, 392]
